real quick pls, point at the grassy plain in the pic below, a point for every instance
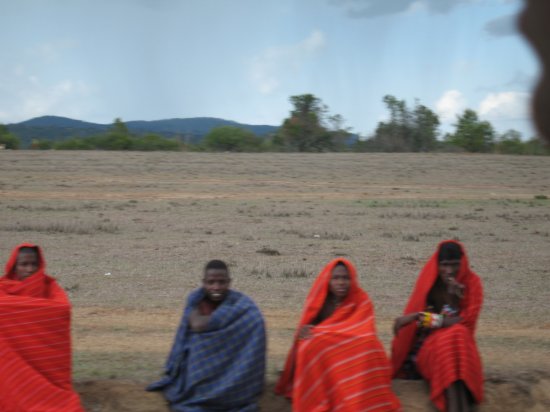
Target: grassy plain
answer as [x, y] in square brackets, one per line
[128, 233]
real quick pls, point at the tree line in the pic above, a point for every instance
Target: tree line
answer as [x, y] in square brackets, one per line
[117, 137]
[416, 129]
[310, 127]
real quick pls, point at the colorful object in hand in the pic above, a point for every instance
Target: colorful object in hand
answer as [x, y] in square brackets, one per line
[430, 320]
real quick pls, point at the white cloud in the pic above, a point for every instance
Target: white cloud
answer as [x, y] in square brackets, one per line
[505, 106]
[451, 104]
[51, 51]
[376, 8]
[24, 96]
[267, 69]
[26, 93]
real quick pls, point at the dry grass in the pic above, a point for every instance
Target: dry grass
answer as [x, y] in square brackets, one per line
[153, 219]
[78, 228]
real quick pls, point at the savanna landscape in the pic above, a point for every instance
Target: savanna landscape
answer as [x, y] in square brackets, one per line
[127, 235]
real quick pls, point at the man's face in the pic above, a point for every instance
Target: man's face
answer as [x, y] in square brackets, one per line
[216, 284]
[340, 282]
[448, 270]
[26, 265]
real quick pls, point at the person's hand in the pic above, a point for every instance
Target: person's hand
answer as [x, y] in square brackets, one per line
[455, 288]
[404, 320]
[194, 316]
[305, 332]
[450, 321]
[197, 322]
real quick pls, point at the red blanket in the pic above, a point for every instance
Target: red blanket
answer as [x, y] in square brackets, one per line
[343, 366]
[447, 354]
[35, 346]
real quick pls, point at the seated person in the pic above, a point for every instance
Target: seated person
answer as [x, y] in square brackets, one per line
[217, 362]
[337, 361]
[434, 339]
[35, 337]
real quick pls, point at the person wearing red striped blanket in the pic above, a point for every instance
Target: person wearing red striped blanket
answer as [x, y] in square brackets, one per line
[434, 338]
[337, 362]
[35, 346]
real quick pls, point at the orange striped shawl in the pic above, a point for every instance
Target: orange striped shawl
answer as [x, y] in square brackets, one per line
[35, 347]
[470, 306]
[343, 366]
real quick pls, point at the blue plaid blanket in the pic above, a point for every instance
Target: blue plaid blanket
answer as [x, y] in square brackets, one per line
[222, 368]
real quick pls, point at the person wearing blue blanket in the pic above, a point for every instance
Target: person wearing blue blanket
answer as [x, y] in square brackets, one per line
[217, 362]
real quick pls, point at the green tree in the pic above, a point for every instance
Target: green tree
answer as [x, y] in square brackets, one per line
[308, 129]
[340, 135]
[9, 140]
[394, 135]
[232, 139]
[119, 128]
[118, 137]
[510, 143]
[425, 129]
[74, 144]
[41, 144]
[407, 130]
[472, 134]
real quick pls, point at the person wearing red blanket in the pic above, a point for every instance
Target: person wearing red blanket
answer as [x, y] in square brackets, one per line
[35, 347]
[337, 362]
[434, 339]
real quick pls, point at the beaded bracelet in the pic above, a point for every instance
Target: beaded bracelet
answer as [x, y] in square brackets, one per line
[430, 320]
[424, 319]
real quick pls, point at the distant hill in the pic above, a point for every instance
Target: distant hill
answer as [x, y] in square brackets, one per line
[189, 130]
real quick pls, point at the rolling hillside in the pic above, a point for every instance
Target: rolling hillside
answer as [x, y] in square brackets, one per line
[189, 130]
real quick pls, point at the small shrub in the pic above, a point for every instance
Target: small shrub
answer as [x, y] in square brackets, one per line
[268, 251]
[295, 273]
[301, 235]
[260, 272]
[77, 228]
[335, 236]
[276, 214]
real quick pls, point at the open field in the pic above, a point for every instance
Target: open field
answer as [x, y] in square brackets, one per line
[152, 220]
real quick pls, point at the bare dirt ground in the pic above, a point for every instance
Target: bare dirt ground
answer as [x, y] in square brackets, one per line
[127, 234]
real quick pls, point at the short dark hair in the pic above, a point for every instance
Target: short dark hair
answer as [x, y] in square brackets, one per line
[449, 251]
[340, 263]
[216, 264]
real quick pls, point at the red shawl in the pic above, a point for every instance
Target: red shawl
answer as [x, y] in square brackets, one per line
[343, 365]
[456, 341]
[35, 347]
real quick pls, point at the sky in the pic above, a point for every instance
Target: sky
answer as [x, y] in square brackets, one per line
[241, 60]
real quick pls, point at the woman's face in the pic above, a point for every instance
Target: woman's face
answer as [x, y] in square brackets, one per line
[340, 282]
[26, 265]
